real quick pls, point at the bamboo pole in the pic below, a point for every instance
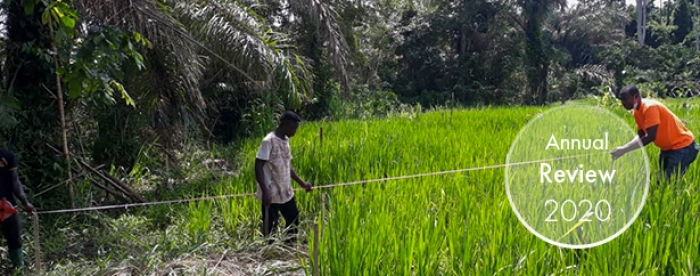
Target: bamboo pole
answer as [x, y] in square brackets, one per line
[62, 116]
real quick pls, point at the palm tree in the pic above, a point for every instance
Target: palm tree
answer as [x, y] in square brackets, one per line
[578, 34]
[196, 45]
[226, 41]
[537, 58]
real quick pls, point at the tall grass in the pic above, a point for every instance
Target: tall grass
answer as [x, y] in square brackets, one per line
[453, 224]
[462, 224]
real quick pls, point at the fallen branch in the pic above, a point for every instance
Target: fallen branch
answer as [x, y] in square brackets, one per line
[117, 184]
[109, 179]
[80, 174]
[108, 190]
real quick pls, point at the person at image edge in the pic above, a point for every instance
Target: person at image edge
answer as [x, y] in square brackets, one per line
[11, 190]
[657, 124]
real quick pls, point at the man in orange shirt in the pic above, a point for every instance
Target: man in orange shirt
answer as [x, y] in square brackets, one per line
[656, 123]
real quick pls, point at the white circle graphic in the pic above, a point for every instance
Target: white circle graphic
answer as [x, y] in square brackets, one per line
[563, 184]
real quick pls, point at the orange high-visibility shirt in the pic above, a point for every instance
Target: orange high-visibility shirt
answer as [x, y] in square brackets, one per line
[671, 133]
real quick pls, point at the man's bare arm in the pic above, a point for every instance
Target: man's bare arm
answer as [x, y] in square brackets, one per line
[18, 189]
[650, 135]
[296, 177]
[307, 186]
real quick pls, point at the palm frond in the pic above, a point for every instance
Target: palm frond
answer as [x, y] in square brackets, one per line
[168, 89]
[231, 33]
[595, 72]
[599, 26]
[235, 34]
[151, 19]
[325, 18]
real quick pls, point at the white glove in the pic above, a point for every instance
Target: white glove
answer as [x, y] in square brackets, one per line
[632, 145]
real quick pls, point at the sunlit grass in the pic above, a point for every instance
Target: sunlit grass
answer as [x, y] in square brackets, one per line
[453, 224]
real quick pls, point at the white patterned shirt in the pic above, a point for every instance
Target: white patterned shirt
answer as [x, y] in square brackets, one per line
[277, 169]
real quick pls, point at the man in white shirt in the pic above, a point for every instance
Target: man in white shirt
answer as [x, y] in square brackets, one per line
[274, 172]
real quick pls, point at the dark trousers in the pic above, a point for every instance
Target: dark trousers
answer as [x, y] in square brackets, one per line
[10, 230]
[289, 211]
[676, 162]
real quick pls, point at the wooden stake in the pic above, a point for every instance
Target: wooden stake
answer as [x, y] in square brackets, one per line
[318, 229]
[320, 136]
[37, 246]
[323, 211]
[315, 264]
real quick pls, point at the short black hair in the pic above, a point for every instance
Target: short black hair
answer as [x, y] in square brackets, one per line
[629, 90]
[289, 117]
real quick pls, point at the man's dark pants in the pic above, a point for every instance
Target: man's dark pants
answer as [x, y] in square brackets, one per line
[289, 211]
[676, 162]
[10, 230]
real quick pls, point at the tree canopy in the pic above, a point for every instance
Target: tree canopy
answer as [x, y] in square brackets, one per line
[130, 74]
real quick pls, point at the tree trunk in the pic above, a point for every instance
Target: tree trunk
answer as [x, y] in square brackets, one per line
[695, 27]
[537, 60]
[463, 41]
[641, 22]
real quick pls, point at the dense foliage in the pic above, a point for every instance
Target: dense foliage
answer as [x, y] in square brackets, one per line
[142, 73]
[155, 89]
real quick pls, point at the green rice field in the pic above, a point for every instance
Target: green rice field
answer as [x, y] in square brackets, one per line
[449, 224]
[462, 224]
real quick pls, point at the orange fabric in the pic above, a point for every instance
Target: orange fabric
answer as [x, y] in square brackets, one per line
[671, 133]
[6, 209]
